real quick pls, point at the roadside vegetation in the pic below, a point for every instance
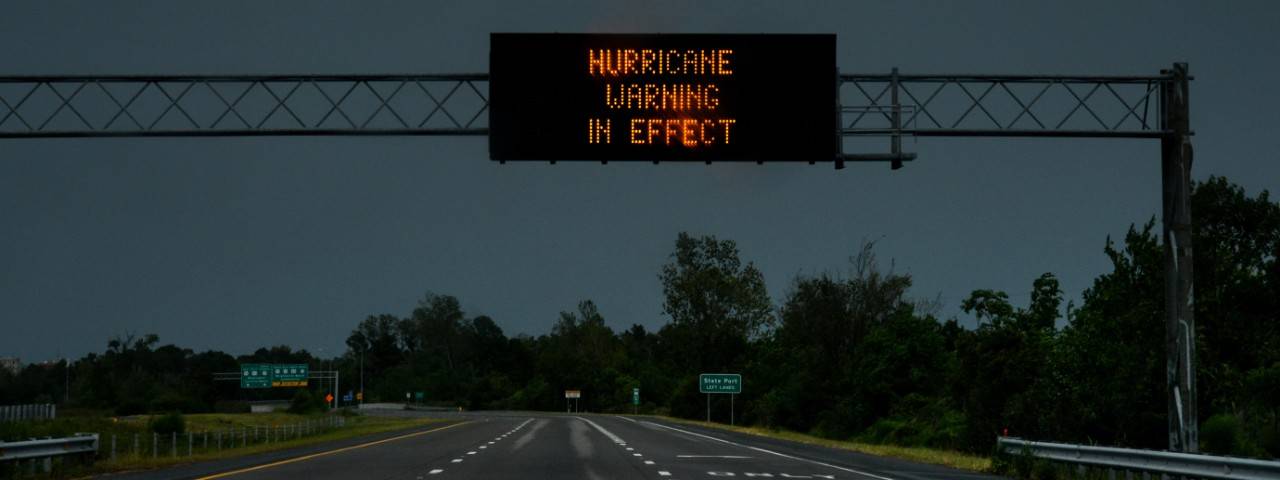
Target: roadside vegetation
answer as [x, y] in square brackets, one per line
[142, 442]
[849, 356]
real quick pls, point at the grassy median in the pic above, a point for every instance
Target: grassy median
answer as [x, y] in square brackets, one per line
[147, 457]
[949, 458]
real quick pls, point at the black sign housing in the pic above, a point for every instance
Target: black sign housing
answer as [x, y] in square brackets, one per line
[662, 97]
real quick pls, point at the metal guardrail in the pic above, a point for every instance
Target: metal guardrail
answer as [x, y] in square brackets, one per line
[52, 447]
[1151, 461]
[14, 413]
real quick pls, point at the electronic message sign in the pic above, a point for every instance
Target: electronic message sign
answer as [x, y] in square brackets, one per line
[662, 97]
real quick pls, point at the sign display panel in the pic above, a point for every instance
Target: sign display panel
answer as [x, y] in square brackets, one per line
[662, 97]
[255, 375]
[289, 375]
[720, 383]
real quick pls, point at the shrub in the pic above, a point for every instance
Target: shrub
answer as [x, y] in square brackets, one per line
[304, 402]
[1223, 434]
[169, 423]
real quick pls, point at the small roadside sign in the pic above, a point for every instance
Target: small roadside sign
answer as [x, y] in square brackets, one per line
[573, 394]
[419, 396]
[360, 396]
[635, 396]
[328, 397]
[720, 383]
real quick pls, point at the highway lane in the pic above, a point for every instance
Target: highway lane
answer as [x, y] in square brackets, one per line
[517, 445]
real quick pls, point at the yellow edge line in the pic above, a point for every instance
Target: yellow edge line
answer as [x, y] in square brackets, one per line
[330, 452]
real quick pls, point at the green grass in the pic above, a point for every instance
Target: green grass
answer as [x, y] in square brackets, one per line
[356, 426]
[124, 428]
[949, 458]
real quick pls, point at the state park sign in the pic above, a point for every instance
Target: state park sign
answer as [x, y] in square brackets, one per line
[720, 383]
[662, 97]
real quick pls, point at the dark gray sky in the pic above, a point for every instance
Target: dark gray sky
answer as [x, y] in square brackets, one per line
[233, 244]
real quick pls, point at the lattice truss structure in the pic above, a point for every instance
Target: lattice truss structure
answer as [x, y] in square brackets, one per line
[243, 105]
[987, 105]
[926, 105]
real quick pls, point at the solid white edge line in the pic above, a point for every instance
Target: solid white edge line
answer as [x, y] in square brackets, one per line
[771, 452]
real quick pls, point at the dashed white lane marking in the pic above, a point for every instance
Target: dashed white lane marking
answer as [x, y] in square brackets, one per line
[771, 452]
[433, 472]
[664, 473]
[482, 447]
[648, 462]
[473, 452]
[630, 449]
[637, 455]
[456, 460]
[603, 431]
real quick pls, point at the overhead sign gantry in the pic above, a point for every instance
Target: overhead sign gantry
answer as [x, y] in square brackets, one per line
[611, 97]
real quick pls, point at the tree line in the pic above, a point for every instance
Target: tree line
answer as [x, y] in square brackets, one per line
[847, 354]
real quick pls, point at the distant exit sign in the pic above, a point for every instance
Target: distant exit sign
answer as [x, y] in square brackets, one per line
[662, 97]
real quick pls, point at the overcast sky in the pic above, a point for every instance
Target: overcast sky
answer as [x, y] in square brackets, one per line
[233, 244]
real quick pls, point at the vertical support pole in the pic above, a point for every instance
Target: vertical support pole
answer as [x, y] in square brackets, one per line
[895, 140]
[708, 408]
[839, 124]
[1176, 153]
[335, 389]
[113, 447]
[731, 409]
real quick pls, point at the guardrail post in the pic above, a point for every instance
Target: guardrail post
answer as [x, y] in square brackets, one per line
[190, 443]
[136, 451]
[113, 447]
[173, 444]
[155, 445]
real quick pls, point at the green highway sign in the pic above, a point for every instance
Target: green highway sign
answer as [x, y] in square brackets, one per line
[719, 383]
[289, 375]
[255, 375]
[635, 396]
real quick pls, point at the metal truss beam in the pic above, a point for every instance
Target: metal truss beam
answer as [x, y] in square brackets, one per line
[888, 105]
[962, 105]
[245, 105]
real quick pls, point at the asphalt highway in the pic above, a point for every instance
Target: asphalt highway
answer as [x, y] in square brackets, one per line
[563, 446]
